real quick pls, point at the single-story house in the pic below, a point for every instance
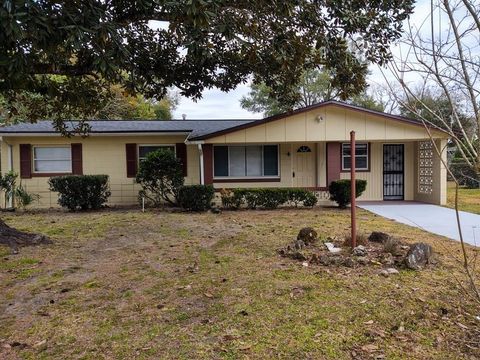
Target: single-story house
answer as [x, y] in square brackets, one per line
[305, 148]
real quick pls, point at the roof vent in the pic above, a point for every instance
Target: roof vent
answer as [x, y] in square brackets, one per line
[184, 116]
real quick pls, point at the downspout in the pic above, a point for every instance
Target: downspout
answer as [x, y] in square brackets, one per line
[202, 170]
[10, 168]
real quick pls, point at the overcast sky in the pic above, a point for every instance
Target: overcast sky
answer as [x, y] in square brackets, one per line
[216, 104]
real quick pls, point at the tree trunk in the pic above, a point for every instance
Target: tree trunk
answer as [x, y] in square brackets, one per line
[16, 238]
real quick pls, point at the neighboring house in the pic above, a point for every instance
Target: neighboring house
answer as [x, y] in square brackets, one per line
[306, 148]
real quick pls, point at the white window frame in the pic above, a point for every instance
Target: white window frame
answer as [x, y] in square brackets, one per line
[367, 156]
[34, 160]
[157, 145]
[273, 177]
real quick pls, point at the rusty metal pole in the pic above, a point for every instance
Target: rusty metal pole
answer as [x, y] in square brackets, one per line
[353, 190]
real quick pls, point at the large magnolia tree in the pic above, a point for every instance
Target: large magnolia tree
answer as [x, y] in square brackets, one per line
[149, 46]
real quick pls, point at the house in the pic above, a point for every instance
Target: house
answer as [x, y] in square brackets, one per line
[306, 148]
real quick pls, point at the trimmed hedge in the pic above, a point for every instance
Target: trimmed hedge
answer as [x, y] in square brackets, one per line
[267, 198]
[81, 192]
[196, 197]
[340, 191]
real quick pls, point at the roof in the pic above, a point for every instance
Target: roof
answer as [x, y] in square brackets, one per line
[196, 129]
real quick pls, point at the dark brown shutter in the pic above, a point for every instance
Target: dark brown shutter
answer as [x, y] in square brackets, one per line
[334, 161]
[181, 151]
[208, 163]
[131, 151]
[77, 162]
[25, 161]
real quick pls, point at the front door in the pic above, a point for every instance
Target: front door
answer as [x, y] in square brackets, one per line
[303, 171]
[393, 167]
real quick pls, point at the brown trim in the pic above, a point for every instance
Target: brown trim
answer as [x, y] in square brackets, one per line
[207, 163]
[25, 161]
[368, 158]
[131, 158]
[77, 162]
[334, 166]
[51, 174]
[313, 107]
[181, 153]
[249, 180]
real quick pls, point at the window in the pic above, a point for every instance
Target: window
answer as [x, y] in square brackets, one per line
[245, 161]
[304, 149]
[143, 150]
[52, 159]
[361, 156]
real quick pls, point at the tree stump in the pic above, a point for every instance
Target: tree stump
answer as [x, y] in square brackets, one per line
[15, 238]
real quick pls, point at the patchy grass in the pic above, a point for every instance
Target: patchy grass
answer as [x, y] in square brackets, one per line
[468, 199]
[120, 284]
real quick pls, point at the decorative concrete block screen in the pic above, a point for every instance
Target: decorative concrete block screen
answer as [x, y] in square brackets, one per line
[425, 167]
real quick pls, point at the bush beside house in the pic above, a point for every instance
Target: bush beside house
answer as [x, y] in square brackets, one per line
[267, 198]
[196, 197]
[161, 176]
[340, 191]
[81, 192]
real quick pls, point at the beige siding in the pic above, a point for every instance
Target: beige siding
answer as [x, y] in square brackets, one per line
[101, 155]
[374, 177]
[330, 123]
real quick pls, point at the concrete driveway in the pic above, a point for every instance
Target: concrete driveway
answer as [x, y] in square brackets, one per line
[432, 218]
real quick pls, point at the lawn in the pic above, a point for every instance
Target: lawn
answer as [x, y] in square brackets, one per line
[468, 199]
[157, 285]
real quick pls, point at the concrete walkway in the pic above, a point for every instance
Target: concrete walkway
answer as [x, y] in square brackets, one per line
[432, 218]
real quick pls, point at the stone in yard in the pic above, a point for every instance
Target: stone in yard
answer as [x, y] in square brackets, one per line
[387, 259]
[389, 271]
[418, 256]
[362, 260]
[308, 235]
[299, 244]
[360, 250]
[378, 237]
[349, 262]
[331, 247]
[298, 256]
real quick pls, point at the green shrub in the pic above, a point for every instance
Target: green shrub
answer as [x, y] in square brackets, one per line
[230, 199]
[465, 174]
[8, 185]
[340, 191]
[161, 177]
[23, 198]
[310, 199]
[268, 198]
[196, 197]
[81, 192]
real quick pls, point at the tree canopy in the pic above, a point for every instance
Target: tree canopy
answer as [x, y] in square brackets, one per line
[149, 46]
[314, 87]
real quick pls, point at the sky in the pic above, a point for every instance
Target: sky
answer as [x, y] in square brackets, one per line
[216, 104]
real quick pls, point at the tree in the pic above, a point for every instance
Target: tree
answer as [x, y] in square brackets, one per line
[150, 46]
[442, 54]
[118, 105]
[314, 87]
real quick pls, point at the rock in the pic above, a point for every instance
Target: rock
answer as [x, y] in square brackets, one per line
[298, 244]
[392, 246]
[331, 247]
[216, 210]
[389, 271]
[362, 260]
[360, 250]
[298, 256]
[349, 262]
[308, 235]
[387, 259]
[378, 237]
[418, 256]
